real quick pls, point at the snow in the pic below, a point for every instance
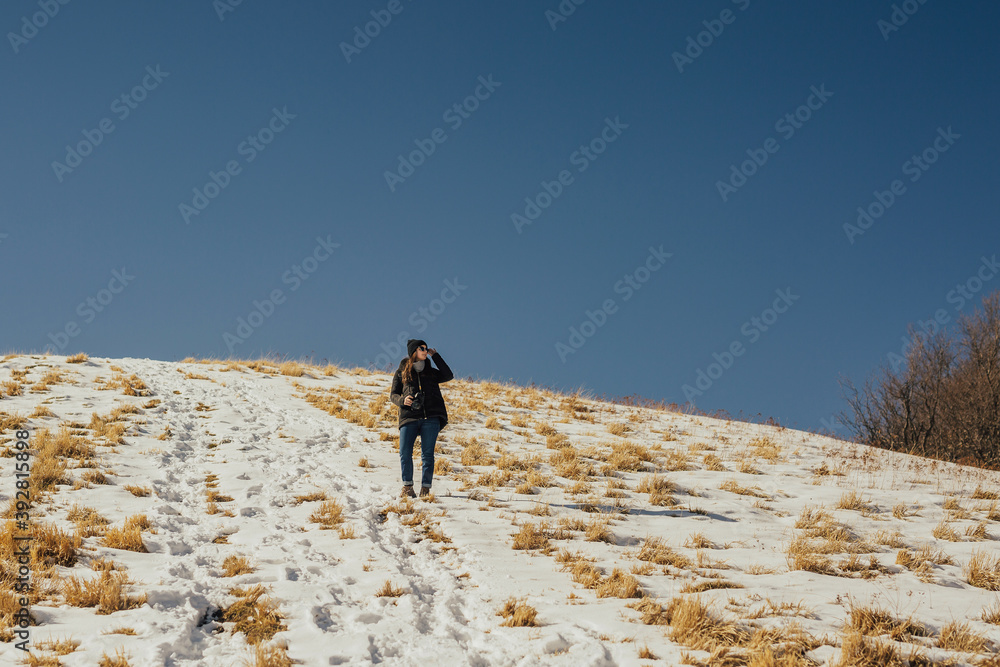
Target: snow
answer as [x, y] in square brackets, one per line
[267, 444]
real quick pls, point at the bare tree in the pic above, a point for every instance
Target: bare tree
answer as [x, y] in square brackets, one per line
[944, 402]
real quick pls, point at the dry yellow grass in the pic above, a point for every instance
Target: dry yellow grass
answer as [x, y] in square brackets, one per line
[57, 646]
[619, 429]
[130, 386]
[873, 621]
[643, 569]
[857, 650]
[922, 561]
[33, 659]
[88, 520]
[991, 613]
[49, 379]
[310, 497]
[556, 441]
[121, 409]
[388, 590]
[495, 478]
[802, 555]
[518, 614]
[49, 546]
[812, 517]
[128, 537]
[597, 531]
[628, 457]
[699, 541]
[944, 531]
[104, 564]
[329, 515]
[524, 489]
[693, 625]
[41, 411]
[984, 494]
[119, 659]
[12, 421]
[983, 570]
[508, 461]
[476, 453]
[12, 388]
[892, 539]
[538, 479]
[654, 550]
[651, 610]
[531, 536]
[674, 460]
[957, 636]
[583, 572]
[952, 503]
[655, 483]
[765, 448]
[708, 585]
[271, 655]
[78, 358]
[520, 421]
[235, 565]
[137, 491]
[978, 531]
[91, 477]
[852, 500]
[255, 614]
[64, 444]
[992, 511]
[568, 464]
[213, 496]
[619, 584]
[291, 368]
[107, 592]
[713, 462]
[733, 486]
[544, 429]
[787, 609]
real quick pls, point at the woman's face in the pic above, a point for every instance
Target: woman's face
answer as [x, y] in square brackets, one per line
[421, 353]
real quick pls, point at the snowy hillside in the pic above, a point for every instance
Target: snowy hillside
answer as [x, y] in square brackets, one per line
[211, 513]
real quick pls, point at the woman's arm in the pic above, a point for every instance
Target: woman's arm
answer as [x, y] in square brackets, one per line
[444, 373]
[396, 393]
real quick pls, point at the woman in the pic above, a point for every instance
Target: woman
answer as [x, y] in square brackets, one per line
[421, 410]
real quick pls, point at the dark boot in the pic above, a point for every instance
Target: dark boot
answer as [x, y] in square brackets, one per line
[407, 491]
[424, 491]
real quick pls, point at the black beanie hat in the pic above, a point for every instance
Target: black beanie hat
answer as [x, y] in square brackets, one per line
[412, 345]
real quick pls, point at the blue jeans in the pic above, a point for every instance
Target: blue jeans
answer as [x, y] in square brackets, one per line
[428, 429]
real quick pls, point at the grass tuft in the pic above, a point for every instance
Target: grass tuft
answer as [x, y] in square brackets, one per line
[255, 614]
[983, 571]
[389, 591]
[329, 515]
[518, 614]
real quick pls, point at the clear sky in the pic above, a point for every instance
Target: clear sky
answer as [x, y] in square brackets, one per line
[193, 178]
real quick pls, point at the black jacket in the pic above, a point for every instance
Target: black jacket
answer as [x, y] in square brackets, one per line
[427, 382]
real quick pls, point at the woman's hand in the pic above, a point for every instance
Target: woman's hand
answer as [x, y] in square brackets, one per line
[431, 352]
[407, 401]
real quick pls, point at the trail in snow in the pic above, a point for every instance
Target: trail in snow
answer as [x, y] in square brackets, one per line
[266, 445]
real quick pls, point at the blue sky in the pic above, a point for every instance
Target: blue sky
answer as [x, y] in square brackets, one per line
[631, 152]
